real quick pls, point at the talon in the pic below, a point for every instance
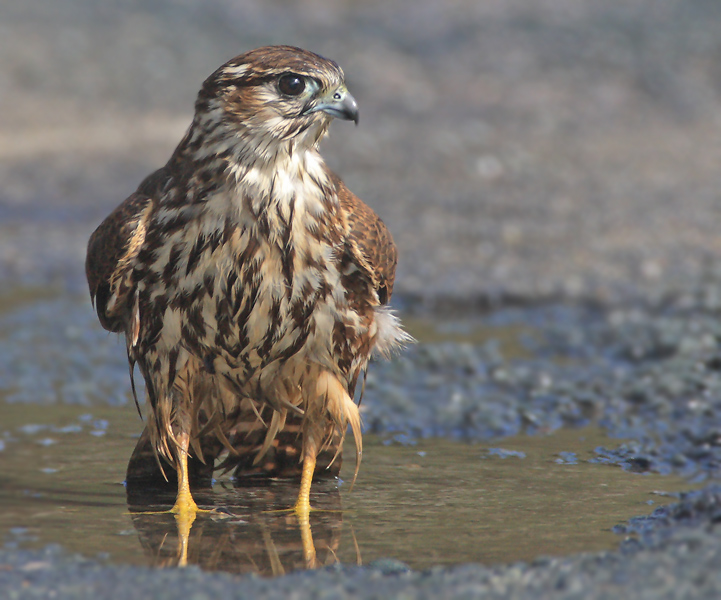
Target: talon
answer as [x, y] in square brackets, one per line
[184, 503]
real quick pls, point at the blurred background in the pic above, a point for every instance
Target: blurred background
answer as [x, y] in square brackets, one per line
[519, 151]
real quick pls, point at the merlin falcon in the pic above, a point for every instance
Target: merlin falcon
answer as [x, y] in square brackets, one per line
[251, 285]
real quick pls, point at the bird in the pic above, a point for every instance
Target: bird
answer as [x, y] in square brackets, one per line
[251, 286]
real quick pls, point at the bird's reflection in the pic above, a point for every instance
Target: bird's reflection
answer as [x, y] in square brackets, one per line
[246, 530]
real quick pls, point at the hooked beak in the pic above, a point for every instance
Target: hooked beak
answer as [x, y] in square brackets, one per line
[339, 104]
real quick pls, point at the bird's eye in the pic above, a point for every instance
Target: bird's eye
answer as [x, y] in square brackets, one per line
[291, 85]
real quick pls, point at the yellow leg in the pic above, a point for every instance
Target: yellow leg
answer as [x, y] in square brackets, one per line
[302, 505]
[184, 502]
[185, 508]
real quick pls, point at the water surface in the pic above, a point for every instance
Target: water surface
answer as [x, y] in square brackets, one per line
[426, 503]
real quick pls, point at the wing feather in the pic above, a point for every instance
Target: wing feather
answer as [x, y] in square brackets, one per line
[369, 243]
[371, 250]
[109, 262]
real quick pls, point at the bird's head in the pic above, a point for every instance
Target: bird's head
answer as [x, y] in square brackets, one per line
[275, 96]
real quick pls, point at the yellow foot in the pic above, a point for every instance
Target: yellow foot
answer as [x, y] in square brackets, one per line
[185, 511]
[182, 506]
[184, 503]
[302, 508]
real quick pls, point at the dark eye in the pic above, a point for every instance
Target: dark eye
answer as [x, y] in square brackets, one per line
[291, 85]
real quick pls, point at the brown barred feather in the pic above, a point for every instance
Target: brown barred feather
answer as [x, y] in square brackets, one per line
[250, 283]
[369, 241]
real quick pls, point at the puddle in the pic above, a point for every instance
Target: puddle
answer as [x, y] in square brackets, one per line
[429, 503]
[67, 430]
[440, 502]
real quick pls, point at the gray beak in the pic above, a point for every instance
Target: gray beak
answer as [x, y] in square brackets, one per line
[339, 104]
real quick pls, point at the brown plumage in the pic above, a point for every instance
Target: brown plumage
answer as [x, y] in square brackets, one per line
[250, 283]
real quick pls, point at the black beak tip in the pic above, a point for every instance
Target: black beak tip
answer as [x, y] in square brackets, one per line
[348, 114]
[350, 109]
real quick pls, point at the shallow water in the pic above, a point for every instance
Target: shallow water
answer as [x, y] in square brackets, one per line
[67, 429]
[428, 503]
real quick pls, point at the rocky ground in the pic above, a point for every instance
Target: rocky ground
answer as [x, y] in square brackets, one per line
[559, 156]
